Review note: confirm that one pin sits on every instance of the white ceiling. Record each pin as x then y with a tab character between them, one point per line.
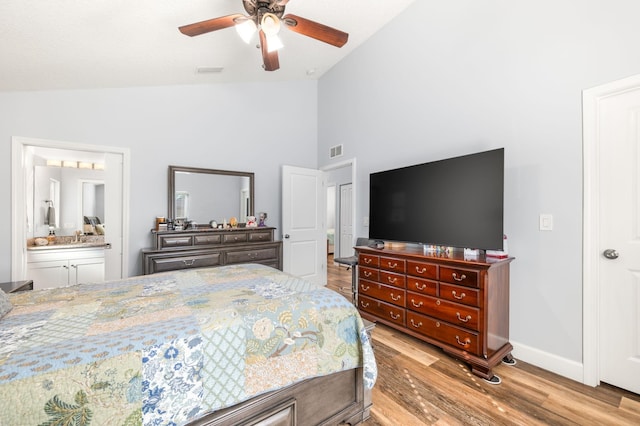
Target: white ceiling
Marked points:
76	44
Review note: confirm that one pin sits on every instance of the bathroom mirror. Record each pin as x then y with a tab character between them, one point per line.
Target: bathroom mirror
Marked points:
204	195
70	193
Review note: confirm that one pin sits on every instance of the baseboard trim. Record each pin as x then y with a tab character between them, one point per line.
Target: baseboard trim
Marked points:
565	367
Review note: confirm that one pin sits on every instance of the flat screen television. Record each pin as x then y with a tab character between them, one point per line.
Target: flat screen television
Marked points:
456	202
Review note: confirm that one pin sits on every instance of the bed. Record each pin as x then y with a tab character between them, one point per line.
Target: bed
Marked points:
235	344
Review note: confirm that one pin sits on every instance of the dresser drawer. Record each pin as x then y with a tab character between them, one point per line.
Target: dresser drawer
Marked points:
443	332
382	292
258	236
368	273
422	270
392	264
167	241
234	238
459	276
251	255
162	264
455	293
369	260
420	285
455	313
385	311
205	240
392	279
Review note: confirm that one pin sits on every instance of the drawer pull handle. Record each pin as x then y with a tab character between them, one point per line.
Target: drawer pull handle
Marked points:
453	292
364	287
421	271
437	323
465	319
395	299
419	287
394	266
395	317
465	342
252	255
364	305
189	262
417	305
392	280
367	260
462	277
418	325
367	274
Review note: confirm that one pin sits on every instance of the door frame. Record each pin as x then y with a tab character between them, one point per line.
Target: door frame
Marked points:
346	163
18	228
591	285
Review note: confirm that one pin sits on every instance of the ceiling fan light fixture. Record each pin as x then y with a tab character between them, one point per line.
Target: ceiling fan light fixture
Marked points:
274	43
246	29
270	24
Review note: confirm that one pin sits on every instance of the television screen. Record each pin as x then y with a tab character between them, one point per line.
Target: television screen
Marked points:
457	202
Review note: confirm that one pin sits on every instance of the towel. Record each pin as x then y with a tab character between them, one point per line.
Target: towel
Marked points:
50	219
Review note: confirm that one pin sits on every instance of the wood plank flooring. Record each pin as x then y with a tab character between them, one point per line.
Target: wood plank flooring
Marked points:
418	384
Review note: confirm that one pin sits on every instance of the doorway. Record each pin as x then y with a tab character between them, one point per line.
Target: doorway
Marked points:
341	210
116	196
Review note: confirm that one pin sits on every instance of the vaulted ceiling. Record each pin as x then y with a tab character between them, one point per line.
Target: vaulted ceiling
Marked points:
77	44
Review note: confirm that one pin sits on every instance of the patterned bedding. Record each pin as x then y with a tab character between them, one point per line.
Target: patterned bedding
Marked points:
169	348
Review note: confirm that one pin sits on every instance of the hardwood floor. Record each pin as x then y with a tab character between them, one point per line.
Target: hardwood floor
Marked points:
418	384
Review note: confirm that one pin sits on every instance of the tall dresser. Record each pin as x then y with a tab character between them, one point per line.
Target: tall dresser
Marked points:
174	250
460	305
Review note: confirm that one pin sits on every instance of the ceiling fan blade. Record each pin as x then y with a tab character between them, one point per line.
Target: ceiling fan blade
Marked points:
210	25
270	59
315	30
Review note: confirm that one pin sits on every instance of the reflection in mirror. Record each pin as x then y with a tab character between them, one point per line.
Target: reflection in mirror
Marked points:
62	188
182	205
92	199
202	195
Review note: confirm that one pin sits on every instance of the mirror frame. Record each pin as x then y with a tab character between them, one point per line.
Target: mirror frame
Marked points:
172	184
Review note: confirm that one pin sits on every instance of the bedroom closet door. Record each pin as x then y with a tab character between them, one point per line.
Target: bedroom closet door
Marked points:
614	132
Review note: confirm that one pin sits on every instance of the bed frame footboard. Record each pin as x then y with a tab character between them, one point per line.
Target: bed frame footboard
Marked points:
337	399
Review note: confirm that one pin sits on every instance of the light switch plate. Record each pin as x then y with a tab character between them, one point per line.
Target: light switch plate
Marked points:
546	222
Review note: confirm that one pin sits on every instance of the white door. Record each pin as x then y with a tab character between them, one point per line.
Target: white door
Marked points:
616	130
114	211
346	220
304	241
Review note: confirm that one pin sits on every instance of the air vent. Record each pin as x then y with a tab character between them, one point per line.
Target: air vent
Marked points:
336	151
209	70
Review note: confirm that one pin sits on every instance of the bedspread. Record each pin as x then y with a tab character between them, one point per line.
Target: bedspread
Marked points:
169	348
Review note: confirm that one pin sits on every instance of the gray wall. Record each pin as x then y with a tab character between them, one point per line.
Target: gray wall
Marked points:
219	126
456	77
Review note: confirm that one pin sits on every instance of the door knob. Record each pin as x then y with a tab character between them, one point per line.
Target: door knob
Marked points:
286	235
610	254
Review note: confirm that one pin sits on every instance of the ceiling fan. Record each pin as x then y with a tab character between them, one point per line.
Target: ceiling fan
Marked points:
266	17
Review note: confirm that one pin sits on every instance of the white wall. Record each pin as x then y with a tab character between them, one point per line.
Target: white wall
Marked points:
219	126
456	77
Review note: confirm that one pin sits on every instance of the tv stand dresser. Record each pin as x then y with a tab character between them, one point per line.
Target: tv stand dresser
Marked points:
459	305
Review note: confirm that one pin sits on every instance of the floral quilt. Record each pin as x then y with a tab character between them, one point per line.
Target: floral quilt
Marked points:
169	348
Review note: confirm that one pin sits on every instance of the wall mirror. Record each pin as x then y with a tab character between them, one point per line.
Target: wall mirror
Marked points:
203	195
